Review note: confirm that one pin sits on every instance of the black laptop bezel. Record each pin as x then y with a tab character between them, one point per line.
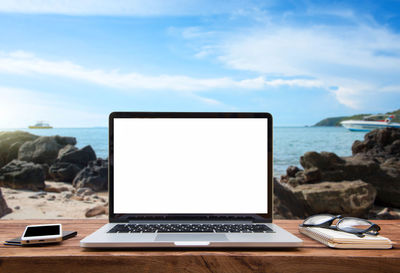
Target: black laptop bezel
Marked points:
122	218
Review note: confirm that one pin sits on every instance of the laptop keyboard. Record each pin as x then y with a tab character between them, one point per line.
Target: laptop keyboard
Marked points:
165	228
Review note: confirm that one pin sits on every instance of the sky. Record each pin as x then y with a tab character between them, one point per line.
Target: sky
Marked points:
72	63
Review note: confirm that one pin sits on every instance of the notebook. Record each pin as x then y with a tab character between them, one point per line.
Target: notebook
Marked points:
339	239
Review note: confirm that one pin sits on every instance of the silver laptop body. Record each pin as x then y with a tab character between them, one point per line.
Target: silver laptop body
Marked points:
190	180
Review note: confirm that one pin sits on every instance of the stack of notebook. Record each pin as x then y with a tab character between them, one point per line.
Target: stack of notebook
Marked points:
339	239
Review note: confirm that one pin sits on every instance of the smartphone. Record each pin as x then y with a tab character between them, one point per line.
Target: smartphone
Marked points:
42	234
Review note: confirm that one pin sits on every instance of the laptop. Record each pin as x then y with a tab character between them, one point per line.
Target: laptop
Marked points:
190	180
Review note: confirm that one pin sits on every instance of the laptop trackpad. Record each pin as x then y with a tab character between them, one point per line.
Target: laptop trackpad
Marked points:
168	237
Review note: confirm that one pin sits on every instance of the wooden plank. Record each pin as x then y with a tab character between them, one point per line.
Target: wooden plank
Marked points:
69	257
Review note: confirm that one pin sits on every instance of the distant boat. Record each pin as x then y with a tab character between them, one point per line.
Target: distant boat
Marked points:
370	123
41	125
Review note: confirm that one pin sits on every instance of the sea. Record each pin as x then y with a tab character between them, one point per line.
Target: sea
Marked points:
289	142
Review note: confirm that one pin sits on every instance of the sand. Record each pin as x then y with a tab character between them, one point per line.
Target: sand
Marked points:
67	204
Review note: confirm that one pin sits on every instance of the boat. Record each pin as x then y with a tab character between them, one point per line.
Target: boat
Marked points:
370	123
40	125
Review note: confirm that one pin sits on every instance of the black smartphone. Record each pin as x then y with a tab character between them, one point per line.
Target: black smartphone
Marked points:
17	241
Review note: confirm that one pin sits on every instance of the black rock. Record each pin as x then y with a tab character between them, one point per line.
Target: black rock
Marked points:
291	171
10	142
322	161
63	171
379	144
66	149
94	176
80	157
44	149
4	209
22	175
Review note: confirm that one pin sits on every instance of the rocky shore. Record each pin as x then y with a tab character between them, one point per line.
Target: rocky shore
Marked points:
366	184
48	175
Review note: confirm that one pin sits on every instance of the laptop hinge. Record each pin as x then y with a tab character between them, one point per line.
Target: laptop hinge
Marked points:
191	221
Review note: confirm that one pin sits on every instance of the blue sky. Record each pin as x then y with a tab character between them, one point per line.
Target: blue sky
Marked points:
73	62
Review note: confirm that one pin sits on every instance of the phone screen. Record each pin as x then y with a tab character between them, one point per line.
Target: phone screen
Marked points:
42	231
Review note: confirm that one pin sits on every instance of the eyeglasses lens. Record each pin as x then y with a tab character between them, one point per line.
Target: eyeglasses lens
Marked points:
318	219
353	225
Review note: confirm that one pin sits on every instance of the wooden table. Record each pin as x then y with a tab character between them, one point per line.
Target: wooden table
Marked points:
69	257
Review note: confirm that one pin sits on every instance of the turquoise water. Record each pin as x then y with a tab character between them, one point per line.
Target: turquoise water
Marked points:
292	142
289	142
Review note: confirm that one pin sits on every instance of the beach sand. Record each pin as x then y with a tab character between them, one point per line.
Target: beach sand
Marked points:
66	204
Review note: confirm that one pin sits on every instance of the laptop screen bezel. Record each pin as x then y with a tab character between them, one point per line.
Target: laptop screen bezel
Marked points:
118	217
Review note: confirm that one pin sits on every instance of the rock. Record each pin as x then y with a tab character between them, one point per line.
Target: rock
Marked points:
67	195
70	161
347	198
287	204
388	214
80	157
55	189
63	188
22	175
379	144
82	191
17	207
44	149
291	171
98	210
312	175
66	149
10	142
383	174
322	161
51	189
77	198
4	209
51	198
63	171
94	176
45	168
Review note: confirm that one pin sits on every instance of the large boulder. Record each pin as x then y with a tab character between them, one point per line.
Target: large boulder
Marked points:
79	157
385	177
22	175
94	176
63	171
348	198
287	205
70	161
4	209
379	144
44	149
10	142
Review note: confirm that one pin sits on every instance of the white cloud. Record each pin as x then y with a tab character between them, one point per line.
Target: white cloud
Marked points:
361	60
25	63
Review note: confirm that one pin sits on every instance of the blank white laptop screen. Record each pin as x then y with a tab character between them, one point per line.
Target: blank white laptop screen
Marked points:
190	165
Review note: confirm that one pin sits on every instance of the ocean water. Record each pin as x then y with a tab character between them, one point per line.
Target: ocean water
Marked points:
289	142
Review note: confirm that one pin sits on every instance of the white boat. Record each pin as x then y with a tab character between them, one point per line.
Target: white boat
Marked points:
370	123
40	125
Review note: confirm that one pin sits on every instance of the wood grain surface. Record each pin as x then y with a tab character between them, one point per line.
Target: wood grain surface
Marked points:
69	257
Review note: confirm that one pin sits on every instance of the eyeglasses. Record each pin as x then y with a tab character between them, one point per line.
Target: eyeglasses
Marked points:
352	225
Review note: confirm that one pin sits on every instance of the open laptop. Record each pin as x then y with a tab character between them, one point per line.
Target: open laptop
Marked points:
190	180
